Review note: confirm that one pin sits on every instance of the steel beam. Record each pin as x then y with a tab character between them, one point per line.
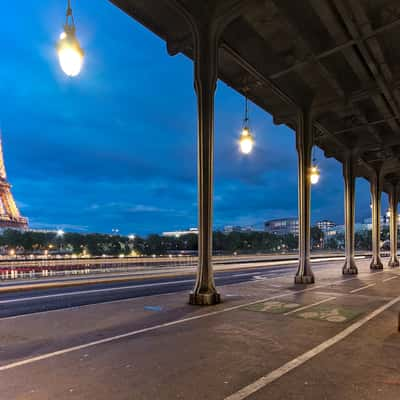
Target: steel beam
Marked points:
352	28
337	30
334	50
363	126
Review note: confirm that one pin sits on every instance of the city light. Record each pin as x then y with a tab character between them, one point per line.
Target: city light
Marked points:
70	53
314	175
60	233
131	237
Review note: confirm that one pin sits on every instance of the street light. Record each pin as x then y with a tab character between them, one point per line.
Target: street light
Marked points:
70	53
314	175
246	141
314	171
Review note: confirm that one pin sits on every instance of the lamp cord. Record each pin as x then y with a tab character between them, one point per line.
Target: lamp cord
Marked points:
246	111
69	14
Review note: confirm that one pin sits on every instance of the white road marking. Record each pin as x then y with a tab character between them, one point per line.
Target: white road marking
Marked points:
389	279
73	308
291	365
64	294
137	332
156	327
259	278
160	326
121	300
309	305
362	288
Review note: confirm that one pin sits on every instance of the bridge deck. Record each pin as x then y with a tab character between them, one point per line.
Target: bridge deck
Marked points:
343	347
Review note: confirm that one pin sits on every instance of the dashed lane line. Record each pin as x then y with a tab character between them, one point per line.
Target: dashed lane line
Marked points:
362	288
310	305
389	279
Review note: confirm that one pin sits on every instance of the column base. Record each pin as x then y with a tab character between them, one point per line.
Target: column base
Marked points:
350	268
350	271
376	265
393	263
304	279
204	299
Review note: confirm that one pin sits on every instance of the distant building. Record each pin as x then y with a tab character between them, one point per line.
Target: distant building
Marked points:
237	228
325	225
178	234
385	220
282	226
341	229
232	228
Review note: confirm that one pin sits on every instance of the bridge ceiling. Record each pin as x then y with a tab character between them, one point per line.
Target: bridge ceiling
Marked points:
342	55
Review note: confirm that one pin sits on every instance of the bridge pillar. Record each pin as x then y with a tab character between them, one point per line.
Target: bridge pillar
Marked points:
205	79
349	204
393	201
304	143
376	192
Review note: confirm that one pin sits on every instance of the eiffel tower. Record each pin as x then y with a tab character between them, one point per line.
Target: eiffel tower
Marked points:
9	213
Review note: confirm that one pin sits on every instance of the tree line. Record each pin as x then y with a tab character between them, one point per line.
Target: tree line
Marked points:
96	244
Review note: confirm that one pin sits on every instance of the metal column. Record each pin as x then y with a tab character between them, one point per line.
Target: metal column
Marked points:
376	191
349	212
393	201
206	73
304	143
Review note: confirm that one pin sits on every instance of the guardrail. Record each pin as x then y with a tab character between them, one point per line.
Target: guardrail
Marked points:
51	268
45	268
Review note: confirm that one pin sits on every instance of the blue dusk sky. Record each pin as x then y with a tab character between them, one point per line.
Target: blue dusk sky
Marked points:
116	147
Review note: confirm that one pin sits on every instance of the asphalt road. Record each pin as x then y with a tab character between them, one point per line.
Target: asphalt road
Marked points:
34	301
129	349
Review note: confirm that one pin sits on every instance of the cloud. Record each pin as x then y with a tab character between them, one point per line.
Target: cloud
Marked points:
116	147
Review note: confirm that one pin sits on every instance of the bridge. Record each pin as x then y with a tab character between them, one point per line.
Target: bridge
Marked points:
307	329
327	69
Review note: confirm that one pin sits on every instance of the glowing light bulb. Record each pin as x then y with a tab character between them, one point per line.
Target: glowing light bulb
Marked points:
246	141
314	175
70	53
